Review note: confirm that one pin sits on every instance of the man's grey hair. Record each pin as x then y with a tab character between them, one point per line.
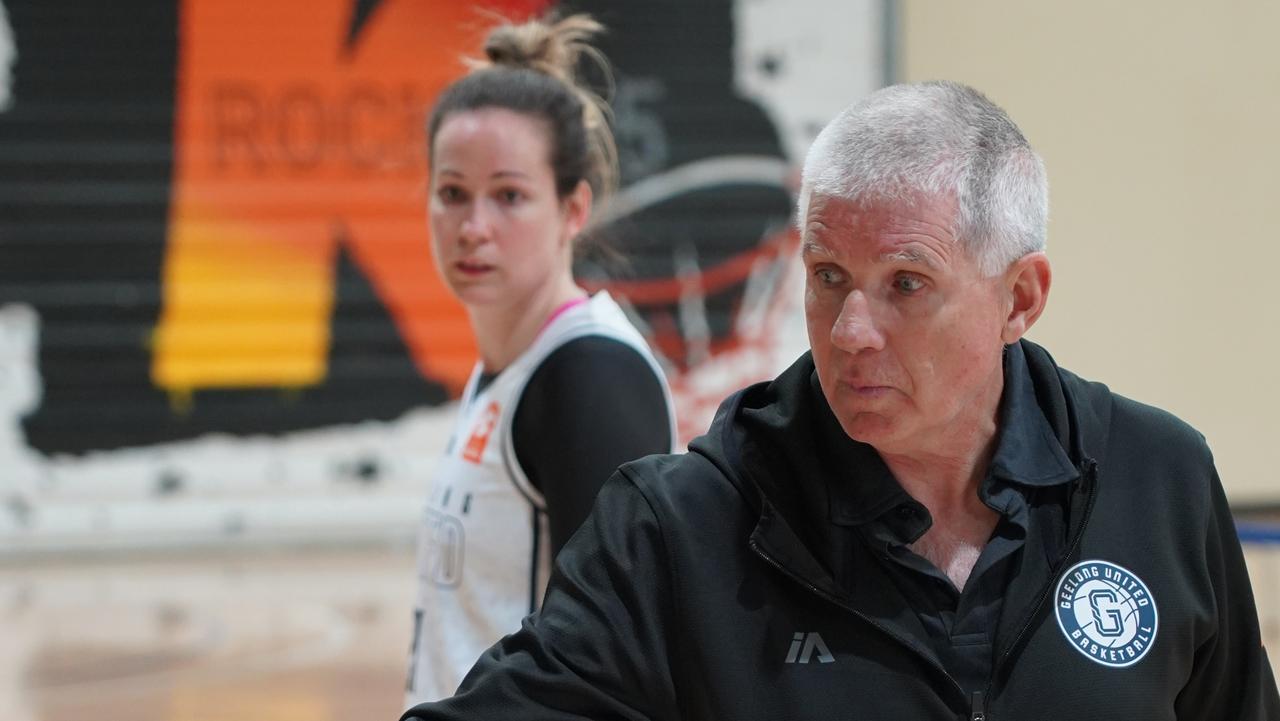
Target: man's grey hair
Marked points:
937	140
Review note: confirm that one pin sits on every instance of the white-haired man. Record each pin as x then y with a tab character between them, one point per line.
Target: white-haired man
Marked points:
924	517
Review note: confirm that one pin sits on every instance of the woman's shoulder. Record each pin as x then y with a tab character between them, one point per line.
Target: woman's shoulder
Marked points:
596	361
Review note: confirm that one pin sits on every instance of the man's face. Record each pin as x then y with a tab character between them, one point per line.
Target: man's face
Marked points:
905	330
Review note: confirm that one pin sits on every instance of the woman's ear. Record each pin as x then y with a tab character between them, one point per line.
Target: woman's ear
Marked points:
576	207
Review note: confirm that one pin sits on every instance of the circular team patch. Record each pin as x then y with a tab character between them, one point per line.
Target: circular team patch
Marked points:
1106	613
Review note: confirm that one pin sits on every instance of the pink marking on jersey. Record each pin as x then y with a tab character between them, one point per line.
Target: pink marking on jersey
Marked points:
561	310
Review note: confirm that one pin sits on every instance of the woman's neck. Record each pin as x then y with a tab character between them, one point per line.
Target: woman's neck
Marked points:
505	331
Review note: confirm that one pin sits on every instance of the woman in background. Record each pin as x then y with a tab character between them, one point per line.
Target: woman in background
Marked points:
565	389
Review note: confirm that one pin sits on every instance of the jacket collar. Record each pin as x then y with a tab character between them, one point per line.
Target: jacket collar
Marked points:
1028	451
765	439
861	488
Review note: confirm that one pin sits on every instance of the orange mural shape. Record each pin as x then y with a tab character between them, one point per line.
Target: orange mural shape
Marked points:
291	144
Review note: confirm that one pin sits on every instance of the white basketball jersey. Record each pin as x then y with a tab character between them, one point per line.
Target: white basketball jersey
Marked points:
483	548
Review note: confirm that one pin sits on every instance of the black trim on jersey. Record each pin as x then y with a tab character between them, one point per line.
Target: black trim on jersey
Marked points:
410	683
511	464
485	380
533	561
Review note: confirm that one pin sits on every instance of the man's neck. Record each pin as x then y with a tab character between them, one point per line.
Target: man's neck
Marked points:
943	469
962	523
942	483
945	478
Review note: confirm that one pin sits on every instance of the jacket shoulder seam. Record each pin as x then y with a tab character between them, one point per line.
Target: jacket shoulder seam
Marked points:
675	652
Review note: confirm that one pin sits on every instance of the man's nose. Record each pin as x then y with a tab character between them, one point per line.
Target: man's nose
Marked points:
855	328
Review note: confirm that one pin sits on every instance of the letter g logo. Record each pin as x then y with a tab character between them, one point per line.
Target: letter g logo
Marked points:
1110	622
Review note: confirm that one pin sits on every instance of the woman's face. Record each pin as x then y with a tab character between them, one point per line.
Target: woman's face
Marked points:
498	231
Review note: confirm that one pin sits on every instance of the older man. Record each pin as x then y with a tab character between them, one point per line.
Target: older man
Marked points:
924	518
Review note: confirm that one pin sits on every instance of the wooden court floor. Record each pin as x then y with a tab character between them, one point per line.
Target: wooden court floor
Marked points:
251	636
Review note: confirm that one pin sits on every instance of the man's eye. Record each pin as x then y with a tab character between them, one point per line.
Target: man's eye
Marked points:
908	284
827	276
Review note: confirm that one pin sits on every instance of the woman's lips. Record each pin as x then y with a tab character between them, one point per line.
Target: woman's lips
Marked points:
472	268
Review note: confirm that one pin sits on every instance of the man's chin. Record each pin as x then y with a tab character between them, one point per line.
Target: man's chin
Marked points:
868	427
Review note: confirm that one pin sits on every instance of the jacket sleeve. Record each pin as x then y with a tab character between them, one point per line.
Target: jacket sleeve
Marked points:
1231	678
599	647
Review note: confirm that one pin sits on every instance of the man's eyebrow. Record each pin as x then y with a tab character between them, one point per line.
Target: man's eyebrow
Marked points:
812	247
909	255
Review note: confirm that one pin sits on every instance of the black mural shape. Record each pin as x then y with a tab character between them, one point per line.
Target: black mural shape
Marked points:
361	11
85	165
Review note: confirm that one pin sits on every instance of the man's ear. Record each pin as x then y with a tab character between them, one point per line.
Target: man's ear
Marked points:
577	209
1027	282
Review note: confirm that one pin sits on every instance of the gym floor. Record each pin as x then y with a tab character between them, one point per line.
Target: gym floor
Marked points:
281	635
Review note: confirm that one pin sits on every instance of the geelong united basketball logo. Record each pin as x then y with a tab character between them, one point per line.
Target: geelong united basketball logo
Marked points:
1106	613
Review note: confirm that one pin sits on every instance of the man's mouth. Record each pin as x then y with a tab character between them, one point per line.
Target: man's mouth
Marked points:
866	388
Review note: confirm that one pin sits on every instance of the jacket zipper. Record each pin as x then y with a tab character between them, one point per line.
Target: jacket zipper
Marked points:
977	707
836	600
977	701
978	713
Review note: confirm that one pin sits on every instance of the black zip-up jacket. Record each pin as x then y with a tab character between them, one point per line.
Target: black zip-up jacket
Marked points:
693	592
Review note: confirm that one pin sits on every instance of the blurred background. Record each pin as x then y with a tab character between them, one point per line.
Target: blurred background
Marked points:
227	364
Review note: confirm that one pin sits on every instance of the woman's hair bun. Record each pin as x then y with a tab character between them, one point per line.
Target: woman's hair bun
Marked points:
551	47
544	67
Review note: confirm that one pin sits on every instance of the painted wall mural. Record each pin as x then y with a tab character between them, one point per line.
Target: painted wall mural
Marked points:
218	311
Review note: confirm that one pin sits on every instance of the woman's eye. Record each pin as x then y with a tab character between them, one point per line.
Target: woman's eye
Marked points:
908	284
510	197
450	194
